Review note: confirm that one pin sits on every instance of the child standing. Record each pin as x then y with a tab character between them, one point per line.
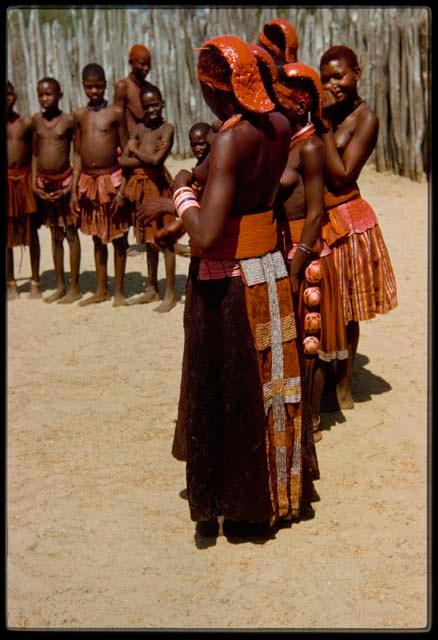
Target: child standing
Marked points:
145	154
97	189
51	180
22	219
127	91
200	137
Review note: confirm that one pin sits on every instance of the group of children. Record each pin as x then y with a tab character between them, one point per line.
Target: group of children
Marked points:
119	151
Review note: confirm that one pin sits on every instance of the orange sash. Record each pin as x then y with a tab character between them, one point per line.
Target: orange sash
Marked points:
295	230
16	174
56	176
247	236
334	226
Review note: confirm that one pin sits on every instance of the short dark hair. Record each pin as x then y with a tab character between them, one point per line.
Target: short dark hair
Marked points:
202	127
148	87
339	51
51	81
93	70
10	85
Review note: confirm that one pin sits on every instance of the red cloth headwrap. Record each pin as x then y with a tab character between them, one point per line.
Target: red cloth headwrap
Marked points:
139	50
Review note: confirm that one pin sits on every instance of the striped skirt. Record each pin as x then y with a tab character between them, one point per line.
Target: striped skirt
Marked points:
366	278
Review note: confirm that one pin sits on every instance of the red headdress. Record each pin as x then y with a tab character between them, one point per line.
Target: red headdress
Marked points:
290	36
302	71
244	79
262	55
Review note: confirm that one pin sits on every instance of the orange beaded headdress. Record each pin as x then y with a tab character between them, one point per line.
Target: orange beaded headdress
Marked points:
290	37
265	58
302	71
239	75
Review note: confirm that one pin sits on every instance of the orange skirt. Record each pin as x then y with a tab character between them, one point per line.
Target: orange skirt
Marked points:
22	219
96	194
365	274
144	185
332	336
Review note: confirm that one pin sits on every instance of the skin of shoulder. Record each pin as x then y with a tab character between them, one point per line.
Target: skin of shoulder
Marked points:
121	85
221	156
78	114
368	118
313	147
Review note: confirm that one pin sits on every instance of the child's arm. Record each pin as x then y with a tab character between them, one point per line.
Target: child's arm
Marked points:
39	192
77	165
120	94
159	155
126	160
122	128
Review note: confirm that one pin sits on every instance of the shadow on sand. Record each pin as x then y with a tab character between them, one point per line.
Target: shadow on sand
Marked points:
365	384
135	283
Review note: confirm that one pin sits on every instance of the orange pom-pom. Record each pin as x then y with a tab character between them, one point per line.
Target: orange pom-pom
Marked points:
312	296
312	322
313	271
311	345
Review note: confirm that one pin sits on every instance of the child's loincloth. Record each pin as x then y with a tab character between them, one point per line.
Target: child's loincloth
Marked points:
148	184
22	217
95	196
56	214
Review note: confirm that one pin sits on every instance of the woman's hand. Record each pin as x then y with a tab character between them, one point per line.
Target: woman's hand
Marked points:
294	283
153	209
183	179
132	145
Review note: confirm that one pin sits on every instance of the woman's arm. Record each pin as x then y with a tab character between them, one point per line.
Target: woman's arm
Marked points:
205	225
313	165
344	171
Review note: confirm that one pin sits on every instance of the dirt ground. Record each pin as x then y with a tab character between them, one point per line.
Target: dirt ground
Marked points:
98	535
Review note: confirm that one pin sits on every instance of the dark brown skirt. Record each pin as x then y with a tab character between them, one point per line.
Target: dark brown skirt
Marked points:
222	428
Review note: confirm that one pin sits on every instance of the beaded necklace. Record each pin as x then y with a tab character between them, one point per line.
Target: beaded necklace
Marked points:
51	124
97	107
302	134
231	122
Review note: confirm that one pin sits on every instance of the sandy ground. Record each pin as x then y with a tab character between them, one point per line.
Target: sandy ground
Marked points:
98	536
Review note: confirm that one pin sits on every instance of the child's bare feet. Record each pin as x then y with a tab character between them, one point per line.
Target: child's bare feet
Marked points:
94	299
149	296
12	291
35	291
166	305
120	301
71	296
57	295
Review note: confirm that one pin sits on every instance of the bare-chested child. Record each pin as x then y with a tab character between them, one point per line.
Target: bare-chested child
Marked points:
22	218
99	128
127	91
200	146
200	138
51	180
127	94
145	154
